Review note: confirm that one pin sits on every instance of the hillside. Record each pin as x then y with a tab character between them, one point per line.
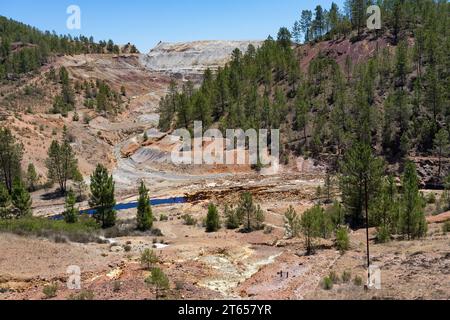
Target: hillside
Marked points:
388	89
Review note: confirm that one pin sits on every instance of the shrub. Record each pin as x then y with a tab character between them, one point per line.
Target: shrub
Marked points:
159	280
83	295
383	234
327	283
431	198
85	230
163	217
232	220
342	240
50	290
358	281
212	219
148	259
346	276
189	220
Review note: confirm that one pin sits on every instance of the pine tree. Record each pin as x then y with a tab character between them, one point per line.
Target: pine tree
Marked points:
102	197
70	213
360	181
441	147
305	24
61	163
250	214
284	38
384	213
232	220
32	177
21	199
291	223
80	185
412	217
310	228
144	210
159	280
11	154
5	202
212	219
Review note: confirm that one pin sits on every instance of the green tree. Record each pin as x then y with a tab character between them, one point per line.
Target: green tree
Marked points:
402	63
232	219
342	240
80	185
61	163
384	214
21	199
310	227
32	177
361	174
284	38
70	213
11	154
158	280
305	24
212	219
441	147
412	216
5	202
291	223
144	210
249	213
102	197
149	259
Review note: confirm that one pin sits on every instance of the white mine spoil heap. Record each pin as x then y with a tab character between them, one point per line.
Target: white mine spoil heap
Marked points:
192	58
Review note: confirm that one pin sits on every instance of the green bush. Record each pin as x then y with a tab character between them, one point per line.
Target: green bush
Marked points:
149	259
383	234
358	281
163	217
50	290
189	220
342	240
212	219
327	283
232	221
431	198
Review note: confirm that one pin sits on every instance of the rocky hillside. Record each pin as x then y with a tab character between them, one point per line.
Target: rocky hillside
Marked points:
192	58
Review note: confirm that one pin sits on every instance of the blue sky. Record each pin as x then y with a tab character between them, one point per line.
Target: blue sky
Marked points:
146	22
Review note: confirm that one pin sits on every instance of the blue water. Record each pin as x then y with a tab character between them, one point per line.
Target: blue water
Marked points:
132	205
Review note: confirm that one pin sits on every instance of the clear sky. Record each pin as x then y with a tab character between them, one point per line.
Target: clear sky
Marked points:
146	22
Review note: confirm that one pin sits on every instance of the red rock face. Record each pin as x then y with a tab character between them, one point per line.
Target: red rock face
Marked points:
338	50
